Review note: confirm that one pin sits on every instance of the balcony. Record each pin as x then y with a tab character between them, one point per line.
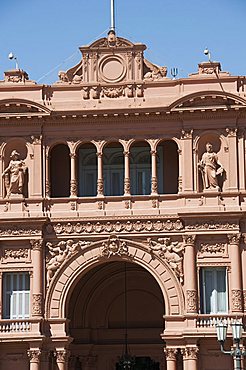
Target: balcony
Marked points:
14	330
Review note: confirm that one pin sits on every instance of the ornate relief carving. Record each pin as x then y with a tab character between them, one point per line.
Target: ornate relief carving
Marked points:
34	355
244	300
127	186
114	247
191	296
16	254
212	248
154	185
25	230
154	72
155	203
113	92
186	134
234	238
231	131
73	188
190	353
170	353
212	225
236	299
100	187
172	252
36	244
59	253
37	304
124	225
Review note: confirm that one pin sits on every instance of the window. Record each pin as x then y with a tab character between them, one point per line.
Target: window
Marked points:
16	295
214	298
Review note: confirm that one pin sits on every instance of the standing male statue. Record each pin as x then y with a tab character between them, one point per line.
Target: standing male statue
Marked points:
14	174
210	169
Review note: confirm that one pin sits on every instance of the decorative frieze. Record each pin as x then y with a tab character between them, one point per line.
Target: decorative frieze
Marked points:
25	230
212	249
191	299
114	246
123	226
212	225
236	300
15	254
171	252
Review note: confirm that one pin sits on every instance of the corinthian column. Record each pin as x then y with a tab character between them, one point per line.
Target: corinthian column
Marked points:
73	181
127	183
37	289
99	174
236	272
154	182
190	274
190	358
34	358
62	356
170	358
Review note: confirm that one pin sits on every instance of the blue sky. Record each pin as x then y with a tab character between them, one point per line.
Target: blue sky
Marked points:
47	33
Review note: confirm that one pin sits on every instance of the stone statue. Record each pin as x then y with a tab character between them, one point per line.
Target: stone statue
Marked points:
172	252
153	72
14	175
210	169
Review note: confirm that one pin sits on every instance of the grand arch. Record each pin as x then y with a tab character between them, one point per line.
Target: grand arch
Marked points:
99	252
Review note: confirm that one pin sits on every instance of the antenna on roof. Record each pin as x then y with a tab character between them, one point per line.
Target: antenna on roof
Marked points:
112	27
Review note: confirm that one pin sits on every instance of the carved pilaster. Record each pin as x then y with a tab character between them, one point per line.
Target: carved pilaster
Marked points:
236	300
37	304
191	297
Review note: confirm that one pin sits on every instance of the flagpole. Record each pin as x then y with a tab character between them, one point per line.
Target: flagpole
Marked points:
112	16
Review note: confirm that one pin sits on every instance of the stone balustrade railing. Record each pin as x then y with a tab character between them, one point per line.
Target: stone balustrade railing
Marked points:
210	321
18	327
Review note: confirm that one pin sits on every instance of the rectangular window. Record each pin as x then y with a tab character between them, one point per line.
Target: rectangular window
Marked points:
16	295
214	297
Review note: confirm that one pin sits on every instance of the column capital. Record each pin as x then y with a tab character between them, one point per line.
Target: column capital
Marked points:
234	238
189	239
62	355
170	353
36	244
153	152
34	355
190	352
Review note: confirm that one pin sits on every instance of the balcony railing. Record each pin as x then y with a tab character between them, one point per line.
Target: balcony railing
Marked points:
20	327
210	321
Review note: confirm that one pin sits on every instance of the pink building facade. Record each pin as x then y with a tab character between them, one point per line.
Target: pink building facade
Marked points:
122	191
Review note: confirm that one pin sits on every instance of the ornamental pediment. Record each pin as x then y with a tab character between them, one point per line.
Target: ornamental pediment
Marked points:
21	107
208	100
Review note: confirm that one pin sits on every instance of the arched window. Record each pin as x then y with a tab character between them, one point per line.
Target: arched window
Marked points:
140	169
60	171
87	170
167	167
113	170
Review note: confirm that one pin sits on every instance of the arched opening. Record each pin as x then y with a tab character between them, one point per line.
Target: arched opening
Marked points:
167	167
60	171
140	168
96	311
87	170
113	169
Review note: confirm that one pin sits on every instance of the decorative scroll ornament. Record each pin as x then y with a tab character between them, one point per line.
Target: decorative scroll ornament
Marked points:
170	353
59	253
191	300
37	303
172	252
236	299
114	247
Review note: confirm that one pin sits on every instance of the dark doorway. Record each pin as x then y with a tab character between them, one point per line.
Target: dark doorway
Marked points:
141	363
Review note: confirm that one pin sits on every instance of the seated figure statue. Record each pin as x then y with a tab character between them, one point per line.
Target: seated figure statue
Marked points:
14	175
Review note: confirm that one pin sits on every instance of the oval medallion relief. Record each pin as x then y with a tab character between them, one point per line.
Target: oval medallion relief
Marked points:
112	69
